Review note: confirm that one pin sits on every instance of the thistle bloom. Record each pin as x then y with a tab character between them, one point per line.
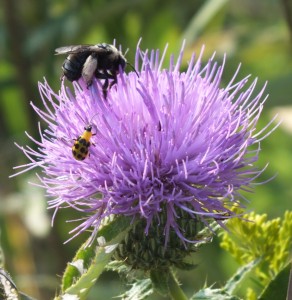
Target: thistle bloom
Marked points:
164	141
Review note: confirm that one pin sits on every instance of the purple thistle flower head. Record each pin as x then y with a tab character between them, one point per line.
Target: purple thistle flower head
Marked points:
163	141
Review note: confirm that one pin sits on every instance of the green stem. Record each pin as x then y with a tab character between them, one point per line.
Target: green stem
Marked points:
175	291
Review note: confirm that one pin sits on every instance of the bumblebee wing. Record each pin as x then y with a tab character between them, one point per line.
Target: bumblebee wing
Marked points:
73	49
89	68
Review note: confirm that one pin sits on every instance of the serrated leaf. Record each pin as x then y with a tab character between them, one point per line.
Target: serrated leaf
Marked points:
88	278
86	255
90	261
225	292
112	229
235	280
277	288
213	294
140	290
118	266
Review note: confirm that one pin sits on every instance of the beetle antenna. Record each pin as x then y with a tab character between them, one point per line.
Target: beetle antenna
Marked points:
133	68
93	117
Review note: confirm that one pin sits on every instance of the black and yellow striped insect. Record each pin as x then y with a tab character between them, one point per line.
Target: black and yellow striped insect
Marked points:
80	149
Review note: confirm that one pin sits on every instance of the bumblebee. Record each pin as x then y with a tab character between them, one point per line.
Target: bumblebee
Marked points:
80	149
103	61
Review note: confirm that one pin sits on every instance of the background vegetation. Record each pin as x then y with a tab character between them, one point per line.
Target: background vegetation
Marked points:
255	33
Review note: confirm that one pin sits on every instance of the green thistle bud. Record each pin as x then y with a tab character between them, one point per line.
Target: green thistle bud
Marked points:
148	252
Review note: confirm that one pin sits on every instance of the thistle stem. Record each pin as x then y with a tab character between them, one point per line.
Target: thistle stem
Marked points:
175	291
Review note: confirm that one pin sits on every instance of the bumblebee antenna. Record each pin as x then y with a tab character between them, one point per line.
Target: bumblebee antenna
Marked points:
133	68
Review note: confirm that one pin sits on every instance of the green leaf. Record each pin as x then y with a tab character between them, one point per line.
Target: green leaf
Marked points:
90	261
140	290
225	292
236	279
81	262
269	240
213	294
119	267
277	288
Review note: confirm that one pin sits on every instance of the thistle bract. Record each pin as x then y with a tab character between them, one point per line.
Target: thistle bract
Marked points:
163	142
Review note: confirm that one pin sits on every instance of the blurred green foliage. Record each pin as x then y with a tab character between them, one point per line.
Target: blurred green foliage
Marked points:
259	238
255	33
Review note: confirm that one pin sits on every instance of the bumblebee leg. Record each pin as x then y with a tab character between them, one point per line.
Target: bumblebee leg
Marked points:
109	76
104	88
106	76
115	80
